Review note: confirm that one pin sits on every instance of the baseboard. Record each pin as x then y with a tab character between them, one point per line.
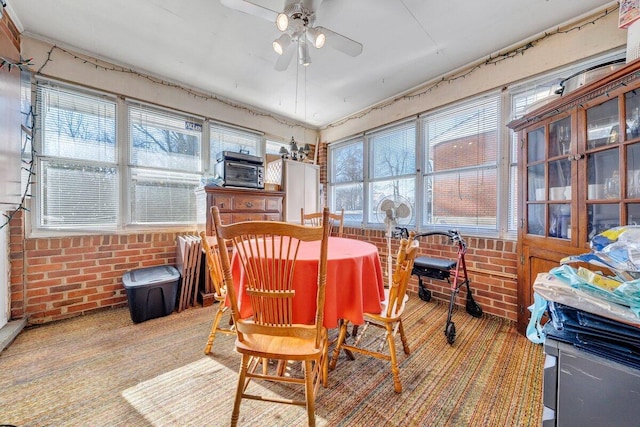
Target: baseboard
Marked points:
10	331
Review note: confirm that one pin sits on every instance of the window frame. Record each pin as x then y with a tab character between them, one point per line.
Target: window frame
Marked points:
332	184
40	86
372	179
127	171
507	209
422	170
138	174
468	104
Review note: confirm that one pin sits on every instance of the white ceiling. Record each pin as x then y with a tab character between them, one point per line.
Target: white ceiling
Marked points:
204	45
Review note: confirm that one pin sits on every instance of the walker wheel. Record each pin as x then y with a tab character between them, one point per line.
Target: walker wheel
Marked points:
450	332
424	294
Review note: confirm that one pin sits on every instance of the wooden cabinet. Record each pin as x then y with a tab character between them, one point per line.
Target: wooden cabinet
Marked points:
578	173
238	205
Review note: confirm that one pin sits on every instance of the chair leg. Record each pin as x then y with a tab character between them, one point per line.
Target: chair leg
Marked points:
403	337
397	386
244	366
214	328
309	392
341	337
325	364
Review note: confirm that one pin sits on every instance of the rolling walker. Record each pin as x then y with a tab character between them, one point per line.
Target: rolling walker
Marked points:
441	269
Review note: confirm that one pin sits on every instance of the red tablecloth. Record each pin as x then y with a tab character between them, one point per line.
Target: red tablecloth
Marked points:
354	282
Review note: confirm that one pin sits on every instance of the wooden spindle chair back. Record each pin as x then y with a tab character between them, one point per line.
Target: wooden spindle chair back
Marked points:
214	267
266	252
315	219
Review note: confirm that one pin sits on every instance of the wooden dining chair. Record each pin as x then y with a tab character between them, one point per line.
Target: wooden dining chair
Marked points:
315	219
220	290
266	253
389	319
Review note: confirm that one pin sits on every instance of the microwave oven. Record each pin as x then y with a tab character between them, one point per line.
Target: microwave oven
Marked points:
240	170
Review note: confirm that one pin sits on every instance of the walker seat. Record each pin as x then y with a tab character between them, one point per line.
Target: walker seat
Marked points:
434	268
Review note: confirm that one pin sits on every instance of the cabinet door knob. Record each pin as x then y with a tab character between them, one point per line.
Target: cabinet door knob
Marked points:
249	204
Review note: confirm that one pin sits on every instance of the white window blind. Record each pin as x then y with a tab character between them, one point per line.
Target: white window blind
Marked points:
346	179
160	197
78	183
392	168
393	151
81	163
226	138
75	195
77	126
163	140
461	152
166	166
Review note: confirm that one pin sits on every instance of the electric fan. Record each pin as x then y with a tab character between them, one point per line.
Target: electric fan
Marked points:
393	211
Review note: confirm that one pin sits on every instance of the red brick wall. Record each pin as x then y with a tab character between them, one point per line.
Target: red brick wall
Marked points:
9	31
491	265
58	277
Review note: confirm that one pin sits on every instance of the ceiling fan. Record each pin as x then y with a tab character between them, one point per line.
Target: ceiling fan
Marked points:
296	24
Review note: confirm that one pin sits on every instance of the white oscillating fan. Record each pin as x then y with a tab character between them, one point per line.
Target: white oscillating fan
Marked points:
393	212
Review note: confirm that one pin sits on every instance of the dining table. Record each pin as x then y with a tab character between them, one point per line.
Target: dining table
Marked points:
354	286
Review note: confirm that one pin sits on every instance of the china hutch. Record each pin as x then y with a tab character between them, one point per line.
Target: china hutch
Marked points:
578	173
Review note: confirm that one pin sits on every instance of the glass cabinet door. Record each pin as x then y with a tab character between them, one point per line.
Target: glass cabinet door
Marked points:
603	124
632	180
603	164
549	187
599	146
633	184
560	137
536	184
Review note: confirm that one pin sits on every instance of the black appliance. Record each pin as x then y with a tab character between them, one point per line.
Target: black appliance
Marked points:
240	170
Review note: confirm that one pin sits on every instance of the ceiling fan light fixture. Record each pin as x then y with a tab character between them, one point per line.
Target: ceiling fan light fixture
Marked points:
282	21
303	54
316	37
281	43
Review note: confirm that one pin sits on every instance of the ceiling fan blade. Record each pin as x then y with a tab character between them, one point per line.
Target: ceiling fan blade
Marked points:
342	43
283	60
251	9
311	4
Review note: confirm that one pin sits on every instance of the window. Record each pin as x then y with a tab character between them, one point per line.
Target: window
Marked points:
166	166
226	138
78	174
273	147
89	178
392	164
346	179
458	184
461	156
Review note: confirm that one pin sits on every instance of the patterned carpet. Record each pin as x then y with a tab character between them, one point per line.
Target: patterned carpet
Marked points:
103	370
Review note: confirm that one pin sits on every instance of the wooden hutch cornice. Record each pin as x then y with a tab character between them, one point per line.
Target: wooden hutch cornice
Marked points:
577	98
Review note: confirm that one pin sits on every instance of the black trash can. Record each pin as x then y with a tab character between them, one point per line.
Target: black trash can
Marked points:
151	291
